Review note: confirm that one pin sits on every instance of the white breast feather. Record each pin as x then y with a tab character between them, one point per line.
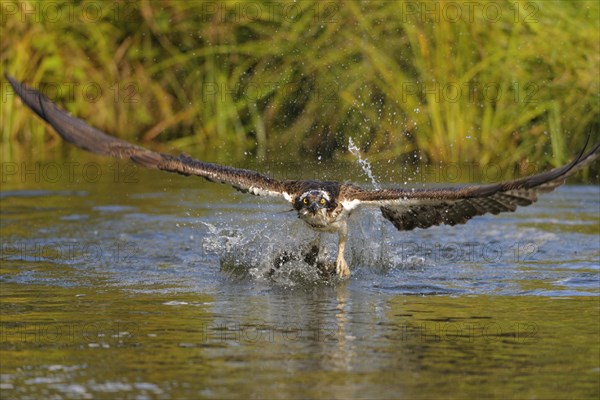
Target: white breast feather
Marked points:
350	205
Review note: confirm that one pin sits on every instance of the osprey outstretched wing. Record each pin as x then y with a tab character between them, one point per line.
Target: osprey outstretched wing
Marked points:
324	206
77	132
422	208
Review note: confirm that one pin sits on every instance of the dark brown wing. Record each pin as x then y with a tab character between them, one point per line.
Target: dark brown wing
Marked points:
422	208
77	132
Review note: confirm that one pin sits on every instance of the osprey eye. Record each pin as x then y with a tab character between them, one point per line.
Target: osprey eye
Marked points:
322	202
305	201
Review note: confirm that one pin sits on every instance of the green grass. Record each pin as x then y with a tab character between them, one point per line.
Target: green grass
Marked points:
519	87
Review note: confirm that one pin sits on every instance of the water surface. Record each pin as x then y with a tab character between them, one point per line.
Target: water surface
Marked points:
138	284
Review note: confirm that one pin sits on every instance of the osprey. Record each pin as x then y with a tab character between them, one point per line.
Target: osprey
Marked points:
324	206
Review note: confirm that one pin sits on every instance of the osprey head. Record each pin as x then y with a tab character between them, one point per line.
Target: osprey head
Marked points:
312	202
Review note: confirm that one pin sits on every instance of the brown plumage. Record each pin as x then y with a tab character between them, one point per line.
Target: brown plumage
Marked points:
324	206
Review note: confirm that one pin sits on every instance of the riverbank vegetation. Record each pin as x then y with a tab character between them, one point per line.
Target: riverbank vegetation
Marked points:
504	82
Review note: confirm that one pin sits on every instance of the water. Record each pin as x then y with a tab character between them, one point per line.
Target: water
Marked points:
141	284
365	165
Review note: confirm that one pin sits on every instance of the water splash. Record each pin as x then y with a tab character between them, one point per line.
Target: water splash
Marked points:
365	165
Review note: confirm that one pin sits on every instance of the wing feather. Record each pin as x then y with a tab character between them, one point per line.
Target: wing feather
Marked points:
422	208
82	135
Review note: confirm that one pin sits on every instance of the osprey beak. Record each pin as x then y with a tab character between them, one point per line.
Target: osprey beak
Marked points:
313	207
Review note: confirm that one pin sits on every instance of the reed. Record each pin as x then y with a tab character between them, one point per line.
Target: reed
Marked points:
505	82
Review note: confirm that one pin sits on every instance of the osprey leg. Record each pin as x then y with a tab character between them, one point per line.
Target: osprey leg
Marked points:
341	267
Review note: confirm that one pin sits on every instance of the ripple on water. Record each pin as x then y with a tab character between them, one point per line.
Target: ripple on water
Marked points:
144	243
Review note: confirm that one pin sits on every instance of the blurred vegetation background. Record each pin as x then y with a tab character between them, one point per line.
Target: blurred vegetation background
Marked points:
506	82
